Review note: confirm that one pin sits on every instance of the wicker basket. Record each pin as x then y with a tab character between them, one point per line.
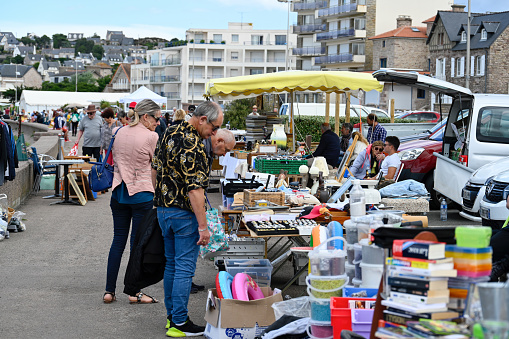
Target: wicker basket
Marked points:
250	197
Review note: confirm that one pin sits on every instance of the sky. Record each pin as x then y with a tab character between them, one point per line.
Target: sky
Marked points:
156	18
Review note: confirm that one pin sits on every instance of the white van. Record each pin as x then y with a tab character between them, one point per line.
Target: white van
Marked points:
477	130
492	207
318	109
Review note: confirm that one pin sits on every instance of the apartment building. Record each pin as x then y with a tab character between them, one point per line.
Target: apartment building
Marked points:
181	73
332	34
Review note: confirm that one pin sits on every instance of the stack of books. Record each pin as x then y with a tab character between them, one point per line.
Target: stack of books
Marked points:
423	328
417	279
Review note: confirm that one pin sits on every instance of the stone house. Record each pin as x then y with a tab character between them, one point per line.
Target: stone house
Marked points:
19	75
46	67
23	51
489	56
121	80
31	59
402	48
100	69
9	41
67	53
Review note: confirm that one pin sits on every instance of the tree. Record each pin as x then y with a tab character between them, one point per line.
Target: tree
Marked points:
36	65
11	93
43	41
103	82
98	51
96	36
236	112
18	59
114	68
104	104
84	46
27	41
60	40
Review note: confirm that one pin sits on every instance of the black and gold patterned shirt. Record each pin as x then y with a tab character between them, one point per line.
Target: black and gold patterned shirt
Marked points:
181	164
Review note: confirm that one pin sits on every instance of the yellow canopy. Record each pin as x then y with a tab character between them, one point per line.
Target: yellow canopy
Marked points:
330	81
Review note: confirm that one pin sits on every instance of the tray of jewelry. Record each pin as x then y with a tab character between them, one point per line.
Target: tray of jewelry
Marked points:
279	227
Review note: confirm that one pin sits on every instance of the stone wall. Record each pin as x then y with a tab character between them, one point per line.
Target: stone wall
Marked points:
370	31
497	65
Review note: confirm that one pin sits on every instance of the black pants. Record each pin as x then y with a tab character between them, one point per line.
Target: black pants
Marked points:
92	151
74	128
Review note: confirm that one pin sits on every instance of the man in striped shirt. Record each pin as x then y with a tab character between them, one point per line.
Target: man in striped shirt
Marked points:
376	131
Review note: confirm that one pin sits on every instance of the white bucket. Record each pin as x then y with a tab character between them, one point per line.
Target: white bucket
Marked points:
371	275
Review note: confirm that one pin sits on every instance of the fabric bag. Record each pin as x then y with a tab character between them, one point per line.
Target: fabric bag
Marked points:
101	174
218	240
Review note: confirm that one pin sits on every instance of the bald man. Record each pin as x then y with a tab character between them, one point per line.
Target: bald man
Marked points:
219	144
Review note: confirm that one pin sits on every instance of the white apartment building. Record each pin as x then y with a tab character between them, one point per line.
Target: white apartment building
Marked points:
332	34
181	73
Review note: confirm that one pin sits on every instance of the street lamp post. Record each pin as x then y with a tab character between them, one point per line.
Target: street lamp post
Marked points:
76	66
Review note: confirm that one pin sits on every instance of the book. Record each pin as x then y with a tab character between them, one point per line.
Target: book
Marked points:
420	249
424	292
432	316
423	272
417	298
441	327
414	307
413	283
432	265
418	329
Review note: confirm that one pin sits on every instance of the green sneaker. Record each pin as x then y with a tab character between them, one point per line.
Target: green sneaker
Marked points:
168	322
187	330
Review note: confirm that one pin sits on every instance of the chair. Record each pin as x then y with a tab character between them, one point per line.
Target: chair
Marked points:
399	172
40	167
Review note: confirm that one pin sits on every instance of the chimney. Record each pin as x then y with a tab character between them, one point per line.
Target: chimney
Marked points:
458	8
403	20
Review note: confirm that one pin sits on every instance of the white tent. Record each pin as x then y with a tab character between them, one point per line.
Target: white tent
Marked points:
143	93
45	100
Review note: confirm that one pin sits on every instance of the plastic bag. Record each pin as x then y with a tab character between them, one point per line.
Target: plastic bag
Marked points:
74	151
18	215
218	240
298	307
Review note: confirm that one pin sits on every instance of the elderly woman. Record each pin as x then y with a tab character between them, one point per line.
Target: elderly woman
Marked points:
133	192
179	116
367	163
109	124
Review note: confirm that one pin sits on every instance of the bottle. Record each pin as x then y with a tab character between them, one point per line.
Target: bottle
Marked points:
443	210
357	200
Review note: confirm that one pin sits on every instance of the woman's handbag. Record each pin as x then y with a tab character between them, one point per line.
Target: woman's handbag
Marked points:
218	240
101	174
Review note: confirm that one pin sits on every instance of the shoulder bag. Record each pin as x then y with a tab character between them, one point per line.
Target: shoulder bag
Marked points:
101	174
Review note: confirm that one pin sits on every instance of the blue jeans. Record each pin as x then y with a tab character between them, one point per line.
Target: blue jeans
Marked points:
180	233
123	215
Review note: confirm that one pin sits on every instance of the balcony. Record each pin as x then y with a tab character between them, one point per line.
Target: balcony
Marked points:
334	59
273	59
341	33
255	59
166	62
171	95
121	86
165	78
337	10
306	6
308	51
309	28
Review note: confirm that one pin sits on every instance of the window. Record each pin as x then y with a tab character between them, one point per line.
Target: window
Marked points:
460	67
235	38
358	49
217	37
484	34
440	38
383	43
480	64
383	63
360	23
421	94
463	36
234	72
198	36
493	125
280	39
257	39
255	71
235	55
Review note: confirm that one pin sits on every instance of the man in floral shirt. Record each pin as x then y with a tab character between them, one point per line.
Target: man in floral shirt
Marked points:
180	176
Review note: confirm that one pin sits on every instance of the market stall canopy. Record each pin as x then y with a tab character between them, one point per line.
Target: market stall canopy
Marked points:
143	93
330	81
44	100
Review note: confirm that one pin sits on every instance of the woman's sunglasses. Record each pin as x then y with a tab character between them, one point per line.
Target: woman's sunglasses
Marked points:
378	148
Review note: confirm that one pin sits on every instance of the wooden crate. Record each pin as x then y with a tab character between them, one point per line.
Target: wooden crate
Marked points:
250	197
241	154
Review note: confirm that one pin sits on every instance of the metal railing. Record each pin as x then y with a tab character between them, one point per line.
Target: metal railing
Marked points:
333	59
255	59
171	95
165	78
302	6
335	34
309	28
308	51
166	62
337	10
121	86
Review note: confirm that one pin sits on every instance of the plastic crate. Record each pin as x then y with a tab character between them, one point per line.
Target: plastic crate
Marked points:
274	166
47	182
259	269
361	321
348	291
341	314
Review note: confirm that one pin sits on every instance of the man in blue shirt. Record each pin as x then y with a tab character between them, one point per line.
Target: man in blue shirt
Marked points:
375	131
329	146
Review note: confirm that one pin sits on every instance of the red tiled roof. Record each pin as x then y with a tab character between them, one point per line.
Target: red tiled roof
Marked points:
432	19
403	32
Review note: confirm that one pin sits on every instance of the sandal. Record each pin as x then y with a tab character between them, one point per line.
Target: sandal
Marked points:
113	297
139	299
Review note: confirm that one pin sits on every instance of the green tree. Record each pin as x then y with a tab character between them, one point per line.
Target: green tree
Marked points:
98	51
103	82
60	40
36	65
27	41
95	36
114	68
11	93
236	112
103	104
43	41
84	46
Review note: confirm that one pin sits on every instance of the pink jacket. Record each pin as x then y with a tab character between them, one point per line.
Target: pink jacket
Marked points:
132	155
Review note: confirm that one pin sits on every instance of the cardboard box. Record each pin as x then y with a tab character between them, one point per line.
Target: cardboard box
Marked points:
229	318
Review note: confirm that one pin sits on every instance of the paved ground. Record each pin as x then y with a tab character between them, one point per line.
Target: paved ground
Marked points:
52	277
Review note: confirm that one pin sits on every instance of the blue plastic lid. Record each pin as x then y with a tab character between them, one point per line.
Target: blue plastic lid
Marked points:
470	250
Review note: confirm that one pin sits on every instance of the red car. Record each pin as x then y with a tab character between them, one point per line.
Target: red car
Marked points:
421	116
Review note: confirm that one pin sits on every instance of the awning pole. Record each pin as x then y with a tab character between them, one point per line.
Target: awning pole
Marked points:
292	129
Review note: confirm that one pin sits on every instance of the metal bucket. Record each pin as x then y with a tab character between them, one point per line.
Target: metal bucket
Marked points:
494	301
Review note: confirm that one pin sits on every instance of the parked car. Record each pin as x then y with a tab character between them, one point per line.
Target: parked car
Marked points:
492	207
423	135
419	161
380	113
475	188
422	116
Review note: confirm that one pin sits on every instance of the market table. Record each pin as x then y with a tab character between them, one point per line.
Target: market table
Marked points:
66	164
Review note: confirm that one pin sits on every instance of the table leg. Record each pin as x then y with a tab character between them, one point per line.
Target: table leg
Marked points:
66	200
295	277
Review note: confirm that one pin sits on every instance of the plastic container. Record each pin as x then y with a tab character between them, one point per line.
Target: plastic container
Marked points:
356	282
371	275
341	314
320	309
258	269
357	252
471	274
361	321
357	200
472	265
325	261
335	229
472	236
372	254
363	231
470	253
319	330
350	252
351	231
323	287
355	292
350	272
389	217
358	270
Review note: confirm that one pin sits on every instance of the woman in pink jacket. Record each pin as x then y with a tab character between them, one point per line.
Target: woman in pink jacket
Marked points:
133	192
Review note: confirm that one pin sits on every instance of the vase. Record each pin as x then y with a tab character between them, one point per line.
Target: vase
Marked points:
279	136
